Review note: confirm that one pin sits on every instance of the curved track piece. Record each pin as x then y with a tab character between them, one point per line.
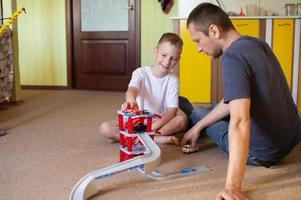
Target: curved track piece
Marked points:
147	163
183	172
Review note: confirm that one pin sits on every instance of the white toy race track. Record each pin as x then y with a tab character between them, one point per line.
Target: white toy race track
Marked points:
146	164
142	155
86	188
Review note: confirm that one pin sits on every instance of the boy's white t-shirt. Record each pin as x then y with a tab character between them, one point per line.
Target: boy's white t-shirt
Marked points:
155	94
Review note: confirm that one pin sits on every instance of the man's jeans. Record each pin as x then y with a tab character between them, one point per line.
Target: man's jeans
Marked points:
218	132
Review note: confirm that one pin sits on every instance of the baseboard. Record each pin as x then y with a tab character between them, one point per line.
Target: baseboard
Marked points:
44	87
12	103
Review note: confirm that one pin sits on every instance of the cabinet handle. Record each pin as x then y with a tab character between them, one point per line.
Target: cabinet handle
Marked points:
285	24
242	24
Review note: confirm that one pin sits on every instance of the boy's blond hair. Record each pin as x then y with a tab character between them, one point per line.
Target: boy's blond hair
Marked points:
173	39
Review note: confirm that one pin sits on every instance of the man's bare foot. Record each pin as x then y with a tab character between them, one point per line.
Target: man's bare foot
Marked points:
167	140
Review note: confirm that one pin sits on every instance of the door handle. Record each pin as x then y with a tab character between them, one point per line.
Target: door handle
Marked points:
130	7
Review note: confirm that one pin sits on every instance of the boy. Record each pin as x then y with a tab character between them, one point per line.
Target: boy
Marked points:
156	90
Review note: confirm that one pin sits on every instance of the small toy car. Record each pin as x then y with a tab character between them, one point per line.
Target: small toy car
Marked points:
2	132
187	148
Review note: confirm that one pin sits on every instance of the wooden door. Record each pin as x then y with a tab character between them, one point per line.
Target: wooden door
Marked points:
106	43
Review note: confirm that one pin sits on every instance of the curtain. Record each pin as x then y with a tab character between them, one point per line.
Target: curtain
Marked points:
6	65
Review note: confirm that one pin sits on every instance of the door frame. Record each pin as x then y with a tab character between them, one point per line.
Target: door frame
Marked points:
69	40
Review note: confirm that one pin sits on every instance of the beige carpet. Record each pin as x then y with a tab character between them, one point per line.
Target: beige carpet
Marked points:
53	142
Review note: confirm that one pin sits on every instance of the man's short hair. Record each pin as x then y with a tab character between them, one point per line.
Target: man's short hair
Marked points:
206	14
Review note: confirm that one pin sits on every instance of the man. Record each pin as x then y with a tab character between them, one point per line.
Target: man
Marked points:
257	121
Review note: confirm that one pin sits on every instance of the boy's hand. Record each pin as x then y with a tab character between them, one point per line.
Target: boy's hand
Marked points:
131	107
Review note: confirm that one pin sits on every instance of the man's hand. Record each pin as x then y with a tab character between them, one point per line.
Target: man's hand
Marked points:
191	136
230	194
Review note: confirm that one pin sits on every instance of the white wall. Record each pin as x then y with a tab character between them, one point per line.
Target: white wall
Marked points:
275	6
186	6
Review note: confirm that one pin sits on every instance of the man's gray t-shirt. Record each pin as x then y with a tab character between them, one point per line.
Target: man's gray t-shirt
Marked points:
251	70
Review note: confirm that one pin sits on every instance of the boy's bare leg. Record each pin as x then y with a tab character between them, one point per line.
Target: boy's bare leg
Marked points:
177	124
109	129
169	139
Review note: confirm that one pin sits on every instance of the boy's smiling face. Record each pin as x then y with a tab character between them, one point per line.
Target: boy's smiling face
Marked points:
166	57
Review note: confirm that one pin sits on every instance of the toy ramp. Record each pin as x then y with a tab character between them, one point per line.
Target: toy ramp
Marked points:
147	163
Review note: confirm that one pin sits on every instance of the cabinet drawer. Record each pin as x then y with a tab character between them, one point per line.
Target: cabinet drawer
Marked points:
282	45
248	27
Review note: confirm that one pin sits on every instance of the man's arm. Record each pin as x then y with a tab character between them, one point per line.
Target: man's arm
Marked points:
220	111
238	136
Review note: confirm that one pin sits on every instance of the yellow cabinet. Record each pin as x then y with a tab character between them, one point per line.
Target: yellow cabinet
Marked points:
282	45
194	70
248	27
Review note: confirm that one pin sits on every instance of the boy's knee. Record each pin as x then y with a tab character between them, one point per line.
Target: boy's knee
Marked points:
105	129
182	121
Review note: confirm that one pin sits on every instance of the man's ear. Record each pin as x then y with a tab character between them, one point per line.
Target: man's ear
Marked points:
214	31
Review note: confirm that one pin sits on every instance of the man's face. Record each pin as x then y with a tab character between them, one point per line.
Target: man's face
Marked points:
206	44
